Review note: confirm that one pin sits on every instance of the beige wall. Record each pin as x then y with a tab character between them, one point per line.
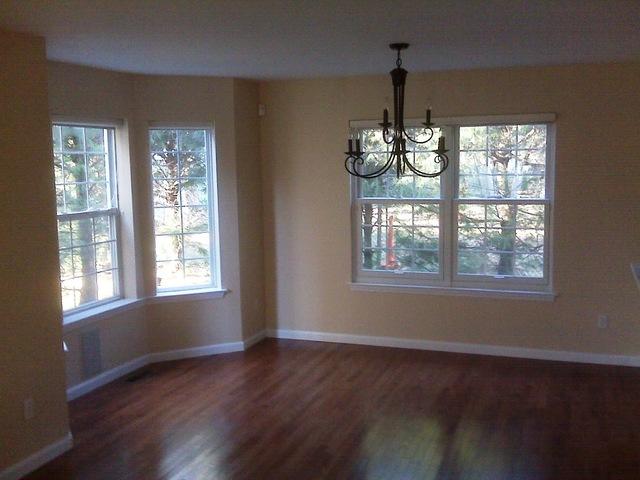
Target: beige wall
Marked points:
596	233
31	357
210	101
82	93
247	129
94	94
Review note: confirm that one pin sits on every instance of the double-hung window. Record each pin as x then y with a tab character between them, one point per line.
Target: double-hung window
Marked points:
184	208
87	207
482	225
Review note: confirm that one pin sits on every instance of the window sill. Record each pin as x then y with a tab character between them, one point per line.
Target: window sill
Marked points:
77	320
74	321
454	291
188	295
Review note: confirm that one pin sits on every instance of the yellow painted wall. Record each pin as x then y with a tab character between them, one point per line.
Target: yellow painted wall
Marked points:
247	133
596	231
31	356
82	93
94	94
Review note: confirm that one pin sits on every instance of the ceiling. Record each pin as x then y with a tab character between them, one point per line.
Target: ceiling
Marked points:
306	38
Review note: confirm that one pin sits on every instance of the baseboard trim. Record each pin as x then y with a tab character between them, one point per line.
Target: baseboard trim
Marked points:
458	347
39	458
106	377
126	368
214	349
252	340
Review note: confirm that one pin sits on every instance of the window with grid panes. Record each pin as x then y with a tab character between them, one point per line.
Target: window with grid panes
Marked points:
484	223
181	164
84	164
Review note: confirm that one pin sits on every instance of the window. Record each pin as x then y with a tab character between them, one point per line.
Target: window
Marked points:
483	224
183	193
84	164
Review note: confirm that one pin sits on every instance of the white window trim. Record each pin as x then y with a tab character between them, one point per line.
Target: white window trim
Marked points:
113	212
448	281
214	232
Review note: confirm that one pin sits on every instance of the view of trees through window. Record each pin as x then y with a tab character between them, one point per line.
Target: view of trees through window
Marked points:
83	162
502	232
400	219
183	233
499	210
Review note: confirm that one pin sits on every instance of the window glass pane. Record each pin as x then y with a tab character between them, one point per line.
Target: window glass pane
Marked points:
97	168
72	139
194	192
408	185
82	156
75	197
97	195
169	247
104	256
196	245
504	240
403	237
163	140
504	161
179	162
102	228
170	274
95	139
64	234
195	219
196	272
74	168
166	192
55	133
193	164
167	220
191	140
106	285
82	232
164	165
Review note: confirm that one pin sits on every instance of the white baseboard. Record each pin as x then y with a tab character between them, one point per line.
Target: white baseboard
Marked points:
106	377
457	347
252	340
214	349
126	368
36	460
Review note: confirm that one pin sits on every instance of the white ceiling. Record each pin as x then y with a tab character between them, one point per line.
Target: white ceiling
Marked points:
304	38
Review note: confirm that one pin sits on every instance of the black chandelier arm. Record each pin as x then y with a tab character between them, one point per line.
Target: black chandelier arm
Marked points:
440	158
392	138
352	160
429	130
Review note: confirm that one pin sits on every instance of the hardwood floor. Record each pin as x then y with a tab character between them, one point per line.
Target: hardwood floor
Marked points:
307	410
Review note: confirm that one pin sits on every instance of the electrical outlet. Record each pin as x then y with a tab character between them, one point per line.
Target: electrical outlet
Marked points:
603	321
29	412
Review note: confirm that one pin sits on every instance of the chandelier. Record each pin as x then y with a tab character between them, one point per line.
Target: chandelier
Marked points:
355	161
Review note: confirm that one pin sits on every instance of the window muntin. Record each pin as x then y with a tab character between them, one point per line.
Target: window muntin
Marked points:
489	213
182	193
84	165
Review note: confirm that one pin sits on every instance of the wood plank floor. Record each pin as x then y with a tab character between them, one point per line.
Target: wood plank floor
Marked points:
307	410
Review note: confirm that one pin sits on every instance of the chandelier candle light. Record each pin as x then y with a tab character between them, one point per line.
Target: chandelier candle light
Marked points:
398	140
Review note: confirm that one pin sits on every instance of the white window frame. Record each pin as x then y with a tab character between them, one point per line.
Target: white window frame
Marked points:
213	217
448	281
113	213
